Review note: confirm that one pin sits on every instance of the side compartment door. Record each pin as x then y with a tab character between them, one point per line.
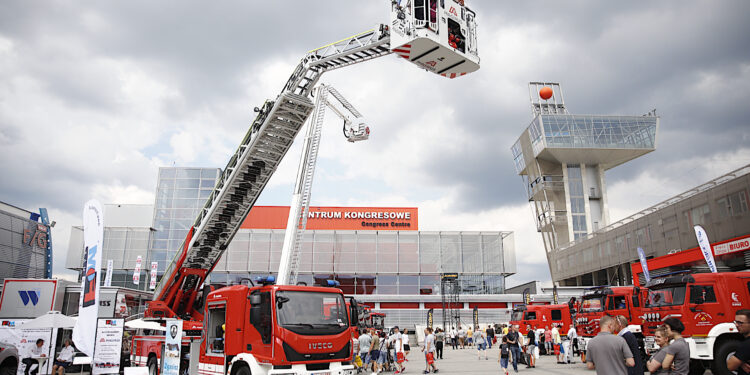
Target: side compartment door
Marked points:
214	338
705	310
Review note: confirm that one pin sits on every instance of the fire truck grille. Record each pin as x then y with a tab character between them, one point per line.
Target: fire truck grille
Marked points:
294	356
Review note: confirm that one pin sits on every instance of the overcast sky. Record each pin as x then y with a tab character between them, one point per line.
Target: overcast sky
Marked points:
95	96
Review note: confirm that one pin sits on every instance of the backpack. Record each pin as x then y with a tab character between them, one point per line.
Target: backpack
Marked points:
504	351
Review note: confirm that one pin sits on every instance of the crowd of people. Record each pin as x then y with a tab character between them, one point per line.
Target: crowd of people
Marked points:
614	351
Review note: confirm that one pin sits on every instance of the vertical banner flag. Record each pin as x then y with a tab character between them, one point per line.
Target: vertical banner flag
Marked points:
527	296
84	331
429	317
555	300
152	282
705	245
476	317
644	264
137	271
108	276
172	346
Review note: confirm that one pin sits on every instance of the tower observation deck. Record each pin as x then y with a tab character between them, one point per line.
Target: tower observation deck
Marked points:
561	158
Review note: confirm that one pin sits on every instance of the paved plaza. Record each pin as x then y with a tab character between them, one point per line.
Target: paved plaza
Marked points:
464	361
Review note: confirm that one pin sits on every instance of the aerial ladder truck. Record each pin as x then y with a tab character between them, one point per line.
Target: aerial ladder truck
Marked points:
287	329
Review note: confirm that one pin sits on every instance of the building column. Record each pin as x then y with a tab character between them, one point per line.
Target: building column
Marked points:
568	214
603	194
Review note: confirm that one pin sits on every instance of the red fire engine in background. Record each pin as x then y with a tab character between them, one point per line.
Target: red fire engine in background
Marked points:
705	303
542	316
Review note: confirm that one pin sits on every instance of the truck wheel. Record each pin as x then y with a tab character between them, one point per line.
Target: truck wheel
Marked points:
696	367
242	370
153	367
723	352
9	367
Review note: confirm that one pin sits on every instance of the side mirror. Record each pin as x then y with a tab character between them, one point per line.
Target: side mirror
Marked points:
255	315
636	301
254	299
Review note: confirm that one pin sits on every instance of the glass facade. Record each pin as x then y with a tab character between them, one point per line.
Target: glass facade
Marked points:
591	131
374	262
577	201
180	195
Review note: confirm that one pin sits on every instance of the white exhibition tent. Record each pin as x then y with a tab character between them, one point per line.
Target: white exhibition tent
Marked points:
143	324
52	319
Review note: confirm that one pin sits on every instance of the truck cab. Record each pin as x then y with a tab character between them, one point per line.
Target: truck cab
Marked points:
609	300
437	35
263	329
541	316
705	303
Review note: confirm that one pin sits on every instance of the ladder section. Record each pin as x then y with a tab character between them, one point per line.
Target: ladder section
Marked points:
362	47
243	179
298	211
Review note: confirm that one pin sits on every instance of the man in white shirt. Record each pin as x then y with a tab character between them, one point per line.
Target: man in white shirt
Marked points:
568	345
64	359
398	347
35	351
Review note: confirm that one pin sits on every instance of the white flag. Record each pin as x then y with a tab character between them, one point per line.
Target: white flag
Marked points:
108	276
137	271
705	245
152	282
84	331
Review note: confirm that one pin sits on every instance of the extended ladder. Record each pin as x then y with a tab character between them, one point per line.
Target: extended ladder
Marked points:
246	174
300	206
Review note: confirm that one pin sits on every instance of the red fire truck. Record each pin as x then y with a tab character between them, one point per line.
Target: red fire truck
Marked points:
705	303
281	328
542	316
609	300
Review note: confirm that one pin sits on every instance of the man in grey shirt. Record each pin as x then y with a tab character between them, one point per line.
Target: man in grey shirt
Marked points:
608	353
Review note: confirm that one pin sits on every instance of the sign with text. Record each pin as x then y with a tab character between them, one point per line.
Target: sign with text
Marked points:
25	340
732	246
24	298
336	218
108	346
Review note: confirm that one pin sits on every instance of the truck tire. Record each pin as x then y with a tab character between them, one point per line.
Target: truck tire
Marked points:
242	370
153	366
9	367
696	367
725	349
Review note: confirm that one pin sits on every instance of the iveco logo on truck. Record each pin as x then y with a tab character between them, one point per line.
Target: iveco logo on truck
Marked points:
320	345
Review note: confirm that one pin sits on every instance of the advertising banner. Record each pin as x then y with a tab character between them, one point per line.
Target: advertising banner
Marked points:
137	271
644	264
429	317
108	277
25	340
476	316
108	346
152	282
172	347
705	246
527	296
84	332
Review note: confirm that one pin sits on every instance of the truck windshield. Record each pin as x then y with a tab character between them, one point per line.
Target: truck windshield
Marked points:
591	304
667	296
517	315
311	312
377	322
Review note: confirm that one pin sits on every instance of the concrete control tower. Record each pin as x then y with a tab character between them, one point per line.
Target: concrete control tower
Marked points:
562	158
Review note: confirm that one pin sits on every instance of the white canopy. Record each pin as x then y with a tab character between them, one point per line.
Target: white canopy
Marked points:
142	324
52	319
